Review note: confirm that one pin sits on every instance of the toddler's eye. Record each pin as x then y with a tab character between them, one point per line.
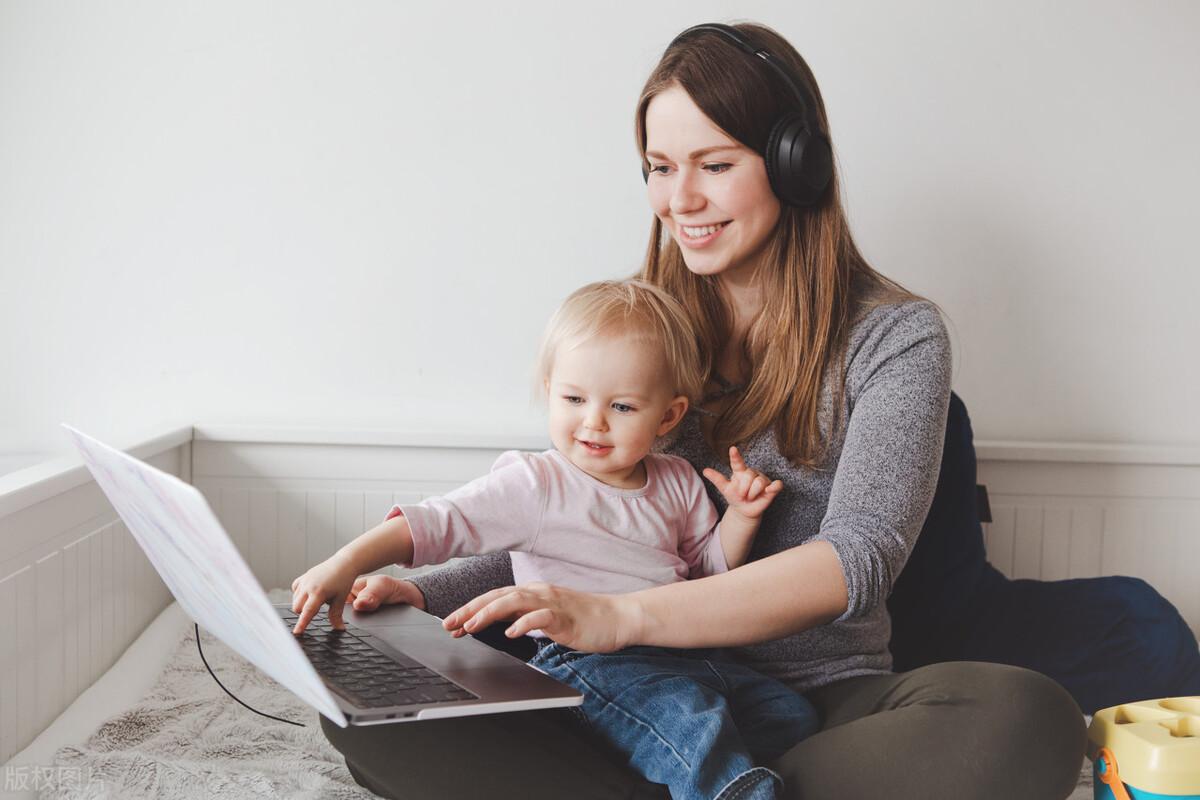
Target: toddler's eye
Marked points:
623	408
573	399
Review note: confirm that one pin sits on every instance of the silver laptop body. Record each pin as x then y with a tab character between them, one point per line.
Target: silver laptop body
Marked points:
498	681
196	559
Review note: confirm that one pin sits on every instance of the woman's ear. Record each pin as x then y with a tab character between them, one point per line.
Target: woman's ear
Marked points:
673	415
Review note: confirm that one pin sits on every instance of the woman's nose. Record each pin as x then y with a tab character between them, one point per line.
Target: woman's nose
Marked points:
685	194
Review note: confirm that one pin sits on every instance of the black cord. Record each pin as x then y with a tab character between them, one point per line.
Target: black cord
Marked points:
218	680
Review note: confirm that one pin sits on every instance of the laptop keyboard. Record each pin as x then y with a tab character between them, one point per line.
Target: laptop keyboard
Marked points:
366	676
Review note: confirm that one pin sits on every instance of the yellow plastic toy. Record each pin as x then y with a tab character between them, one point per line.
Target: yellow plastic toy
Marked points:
1148	750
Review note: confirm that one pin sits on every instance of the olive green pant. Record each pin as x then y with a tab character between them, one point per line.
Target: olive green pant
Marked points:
959	730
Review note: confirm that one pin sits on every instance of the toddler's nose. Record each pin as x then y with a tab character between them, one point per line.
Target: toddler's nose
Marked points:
595	421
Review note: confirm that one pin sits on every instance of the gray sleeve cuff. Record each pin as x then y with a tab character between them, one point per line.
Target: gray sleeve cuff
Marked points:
449	587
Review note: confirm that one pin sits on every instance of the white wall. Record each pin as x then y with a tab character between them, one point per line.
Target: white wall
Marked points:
363	212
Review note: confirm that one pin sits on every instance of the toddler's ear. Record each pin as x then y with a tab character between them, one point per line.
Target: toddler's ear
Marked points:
673	415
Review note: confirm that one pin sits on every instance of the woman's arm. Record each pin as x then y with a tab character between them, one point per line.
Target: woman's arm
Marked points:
726	610
446	588
732	609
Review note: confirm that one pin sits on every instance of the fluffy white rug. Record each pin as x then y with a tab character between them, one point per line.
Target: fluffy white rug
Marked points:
187	739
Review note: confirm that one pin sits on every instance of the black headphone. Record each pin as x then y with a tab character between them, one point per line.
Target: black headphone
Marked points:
799	159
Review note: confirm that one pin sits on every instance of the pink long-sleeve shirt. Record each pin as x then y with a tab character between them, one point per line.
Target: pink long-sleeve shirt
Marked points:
565	527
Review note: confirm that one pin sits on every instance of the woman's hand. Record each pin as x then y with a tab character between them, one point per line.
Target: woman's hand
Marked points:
595	623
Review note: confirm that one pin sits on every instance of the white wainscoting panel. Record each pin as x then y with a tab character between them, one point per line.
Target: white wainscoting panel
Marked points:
75	591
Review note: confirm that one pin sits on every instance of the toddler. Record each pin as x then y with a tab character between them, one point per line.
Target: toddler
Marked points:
601	513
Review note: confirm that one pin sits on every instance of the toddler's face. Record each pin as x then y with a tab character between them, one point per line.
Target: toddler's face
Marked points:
608	402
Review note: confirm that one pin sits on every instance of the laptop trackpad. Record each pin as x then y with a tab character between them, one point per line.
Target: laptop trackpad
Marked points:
422	636
398	614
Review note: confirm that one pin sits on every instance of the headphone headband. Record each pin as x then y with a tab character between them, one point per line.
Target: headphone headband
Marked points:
735	36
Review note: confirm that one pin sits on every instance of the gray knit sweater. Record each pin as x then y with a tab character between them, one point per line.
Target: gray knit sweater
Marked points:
868	499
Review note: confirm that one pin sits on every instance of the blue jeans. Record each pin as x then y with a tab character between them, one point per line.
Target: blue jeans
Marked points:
698	726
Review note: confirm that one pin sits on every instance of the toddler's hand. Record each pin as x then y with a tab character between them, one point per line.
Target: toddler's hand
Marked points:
747	491
328	582
372	591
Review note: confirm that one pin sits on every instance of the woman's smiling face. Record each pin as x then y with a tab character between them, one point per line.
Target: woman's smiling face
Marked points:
710	191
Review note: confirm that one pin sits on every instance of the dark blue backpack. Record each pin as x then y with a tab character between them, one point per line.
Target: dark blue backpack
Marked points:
1106	640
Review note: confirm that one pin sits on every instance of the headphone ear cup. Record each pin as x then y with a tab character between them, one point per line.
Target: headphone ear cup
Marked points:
799	165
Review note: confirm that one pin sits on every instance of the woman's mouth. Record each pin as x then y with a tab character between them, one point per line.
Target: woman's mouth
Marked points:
695	236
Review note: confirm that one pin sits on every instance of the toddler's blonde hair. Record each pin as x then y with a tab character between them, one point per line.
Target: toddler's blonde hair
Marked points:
627	308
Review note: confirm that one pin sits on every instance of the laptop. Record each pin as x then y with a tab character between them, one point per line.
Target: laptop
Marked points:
396	664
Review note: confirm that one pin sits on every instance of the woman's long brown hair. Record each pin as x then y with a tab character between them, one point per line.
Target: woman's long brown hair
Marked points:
814	279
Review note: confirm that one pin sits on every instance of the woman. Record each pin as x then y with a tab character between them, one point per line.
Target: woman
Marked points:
828	376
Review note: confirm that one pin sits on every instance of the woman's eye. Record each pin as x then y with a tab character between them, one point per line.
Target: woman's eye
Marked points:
623	408
660	169
716	169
